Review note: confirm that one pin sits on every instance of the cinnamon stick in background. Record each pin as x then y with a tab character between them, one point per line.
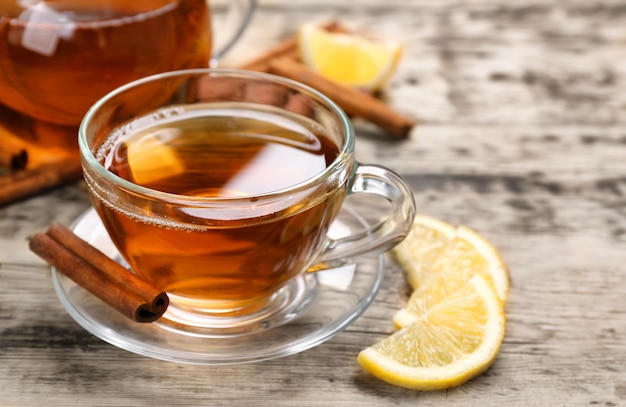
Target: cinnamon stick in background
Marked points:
352	101
93	270
12	158
28	182
287	48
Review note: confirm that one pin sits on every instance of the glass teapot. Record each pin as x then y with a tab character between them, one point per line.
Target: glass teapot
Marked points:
57	57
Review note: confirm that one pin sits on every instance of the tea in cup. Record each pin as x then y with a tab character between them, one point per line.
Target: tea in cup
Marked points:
222	190
59	57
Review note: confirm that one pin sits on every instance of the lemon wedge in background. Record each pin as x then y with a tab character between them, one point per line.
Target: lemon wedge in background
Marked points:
452	341
349	59
434	246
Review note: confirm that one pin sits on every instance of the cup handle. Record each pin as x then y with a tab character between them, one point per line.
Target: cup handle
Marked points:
382	236
238	16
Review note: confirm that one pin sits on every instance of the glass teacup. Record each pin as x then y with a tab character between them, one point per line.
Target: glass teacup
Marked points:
220	186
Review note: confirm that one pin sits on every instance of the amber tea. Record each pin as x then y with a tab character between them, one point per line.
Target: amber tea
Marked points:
202	258
60	57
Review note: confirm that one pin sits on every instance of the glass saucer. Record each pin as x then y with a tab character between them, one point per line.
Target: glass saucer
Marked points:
341	295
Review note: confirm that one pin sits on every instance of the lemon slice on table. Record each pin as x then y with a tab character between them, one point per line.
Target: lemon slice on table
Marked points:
349	59
453	324
434	247
425	243
452	341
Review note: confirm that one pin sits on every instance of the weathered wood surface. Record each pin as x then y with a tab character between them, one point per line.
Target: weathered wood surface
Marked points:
522	106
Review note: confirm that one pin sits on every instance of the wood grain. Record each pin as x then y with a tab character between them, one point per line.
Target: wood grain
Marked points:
522	110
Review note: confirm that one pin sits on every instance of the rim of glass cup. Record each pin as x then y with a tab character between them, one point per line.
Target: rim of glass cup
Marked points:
88	155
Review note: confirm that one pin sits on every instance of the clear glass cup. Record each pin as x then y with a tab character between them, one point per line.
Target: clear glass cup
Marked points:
220	186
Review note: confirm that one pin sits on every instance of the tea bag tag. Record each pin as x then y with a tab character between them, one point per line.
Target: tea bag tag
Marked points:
43	38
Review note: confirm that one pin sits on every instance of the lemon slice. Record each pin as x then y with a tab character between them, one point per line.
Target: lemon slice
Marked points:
151	155
431	293
349	59
471	251
428	239
453	340
433	247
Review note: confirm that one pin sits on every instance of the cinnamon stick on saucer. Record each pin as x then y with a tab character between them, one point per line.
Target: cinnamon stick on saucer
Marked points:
352	101
93	270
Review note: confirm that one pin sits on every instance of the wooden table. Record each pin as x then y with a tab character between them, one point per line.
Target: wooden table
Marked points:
522	136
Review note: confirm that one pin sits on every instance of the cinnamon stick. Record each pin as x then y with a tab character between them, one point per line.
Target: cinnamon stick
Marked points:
12	158
116	272
352	101
28	182
93	270
287	48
